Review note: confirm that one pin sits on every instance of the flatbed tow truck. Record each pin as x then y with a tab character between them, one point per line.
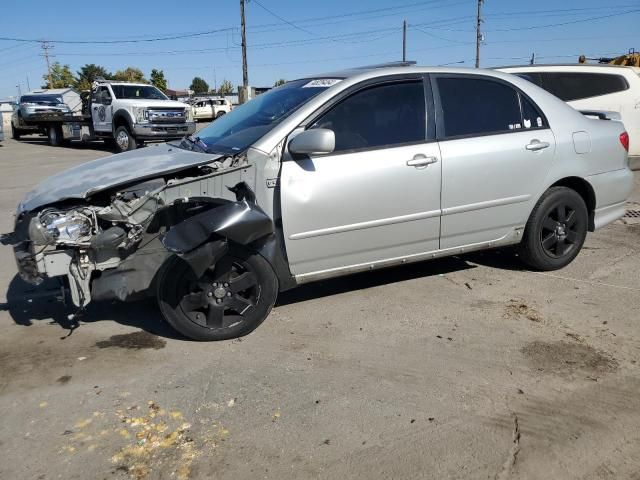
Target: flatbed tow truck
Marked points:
123	114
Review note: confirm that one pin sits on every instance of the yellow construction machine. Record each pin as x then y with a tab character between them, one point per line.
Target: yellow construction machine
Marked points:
631	59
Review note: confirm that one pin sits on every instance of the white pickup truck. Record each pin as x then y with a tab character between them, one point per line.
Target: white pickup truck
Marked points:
121	113
211	108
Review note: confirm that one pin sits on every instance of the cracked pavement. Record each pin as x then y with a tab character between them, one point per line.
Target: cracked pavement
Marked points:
467	367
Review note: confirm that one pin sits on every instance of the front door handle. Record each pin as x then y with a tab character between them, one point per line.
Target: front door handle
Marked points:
421	161
537	145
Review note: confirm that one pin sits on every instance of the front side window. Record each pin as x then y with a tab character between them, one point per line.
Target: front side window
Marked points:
384	115
475	106
574	86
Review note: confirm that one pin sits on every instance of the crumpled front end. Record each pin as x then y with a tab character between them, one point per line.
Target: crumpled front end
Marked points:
108	246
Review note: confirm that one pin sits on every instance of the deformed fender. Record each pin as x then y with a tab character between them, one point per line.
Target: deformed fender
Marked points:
241	222
202	239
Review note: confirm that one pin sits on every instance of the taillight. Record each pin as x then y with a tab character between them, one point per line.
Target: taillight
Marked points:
624	140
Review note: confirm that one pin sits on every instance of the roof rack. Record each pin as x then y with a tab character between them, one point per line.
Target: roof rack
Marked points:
408	63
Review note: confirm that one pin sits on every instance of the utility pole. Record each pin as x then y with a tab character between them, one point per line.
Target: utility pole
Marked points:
533	58
28	86
245	74
404	41
478	33
46	47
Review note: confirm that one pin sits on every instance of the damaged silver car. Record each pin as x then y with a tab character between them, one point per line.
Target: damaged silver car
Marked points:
326	176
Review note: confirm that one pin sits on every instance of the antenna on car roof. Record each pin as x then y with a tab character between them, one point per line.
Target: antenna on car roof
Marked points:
407	63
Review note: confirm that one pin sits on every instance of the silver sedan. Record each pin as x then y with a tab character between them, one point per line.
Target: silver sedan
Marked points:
325	176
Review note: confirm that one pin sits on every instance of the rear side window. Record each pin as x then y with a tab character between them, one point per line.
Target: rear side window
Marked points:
473	106
383	115
575	86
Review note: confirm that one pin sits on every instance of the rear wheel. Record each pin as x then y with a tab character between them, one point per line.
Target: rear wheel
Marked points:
55	136
124	140
556	230
231	299
15	133
219	114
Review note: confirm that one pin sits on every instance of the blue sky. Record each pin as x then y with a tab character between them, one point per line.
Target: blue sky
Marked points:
289	38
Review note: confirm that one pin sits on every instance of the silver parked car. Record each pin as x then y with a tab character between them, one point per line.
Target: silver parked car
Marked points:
326	176
32	107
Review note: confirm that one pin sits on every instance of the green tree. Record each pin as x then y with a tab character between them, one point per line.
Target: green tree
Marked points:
282	81
158	80
198	85
130	74
88	74
61	76
226	88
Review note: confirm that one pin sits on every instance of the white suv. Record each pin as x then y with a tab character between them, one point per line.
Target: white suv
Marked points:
593	87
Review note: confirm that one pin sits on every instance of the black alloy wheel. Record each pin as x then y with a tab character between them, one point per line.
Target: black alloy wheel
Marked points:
556	230
229	300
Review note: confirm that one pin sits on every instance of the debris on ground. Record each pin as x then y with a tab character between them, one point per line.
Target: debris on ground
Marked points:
516	309
150	440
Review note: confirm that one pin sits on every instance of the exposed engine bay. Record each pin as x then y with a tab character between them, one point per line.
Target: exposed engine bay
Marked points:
110	245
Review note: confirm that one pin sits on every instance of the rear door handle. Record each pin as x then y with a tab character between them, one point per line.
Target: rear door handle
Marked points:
421	161
536	145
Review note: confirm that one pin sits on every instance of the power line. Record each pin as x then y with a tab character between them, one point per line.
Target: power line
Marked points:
282	19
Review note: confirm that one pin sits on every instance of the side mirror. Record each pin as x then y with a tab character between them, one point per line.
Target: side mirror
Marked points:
314	141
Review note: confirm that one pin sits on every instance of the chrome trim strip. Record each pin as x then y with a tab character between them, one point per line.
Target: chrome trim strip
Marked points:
362	225
488	204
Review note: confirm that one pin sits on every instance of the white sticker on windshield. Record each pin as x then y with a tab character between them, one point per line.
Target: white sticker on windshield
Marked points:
322	83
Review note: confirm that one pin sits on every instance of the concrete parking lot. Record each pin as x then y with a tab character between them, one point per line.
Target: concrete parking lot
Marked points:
467	367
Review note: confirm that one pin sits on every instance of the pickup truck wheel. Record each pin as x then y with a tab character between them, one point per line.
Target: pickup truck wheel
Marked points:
124	141
219	114
15	133
55	135
231	299
556	230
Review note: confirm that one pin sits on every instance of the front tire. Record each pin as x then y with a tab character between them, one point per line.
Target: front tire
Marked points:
555	231
124	140
231	299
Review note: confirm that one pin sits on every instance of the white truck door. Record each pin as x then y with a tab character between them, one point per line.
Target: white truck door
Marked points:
102	109
377	196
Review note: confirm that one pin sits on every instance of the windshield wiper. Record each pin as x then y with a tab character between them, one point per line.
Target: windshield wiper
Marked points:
194	144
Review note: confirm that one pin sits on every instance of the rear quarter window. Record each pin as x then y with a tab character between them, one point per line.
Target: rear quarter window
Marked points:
570	86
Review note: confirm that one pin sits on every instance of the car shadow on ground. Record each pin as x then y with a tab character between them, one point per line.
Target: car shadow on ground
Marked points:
76	144
28	304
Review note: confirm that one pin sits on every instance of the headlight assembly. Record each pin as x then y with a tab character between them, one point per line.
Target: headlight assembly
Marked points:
53	226
141	114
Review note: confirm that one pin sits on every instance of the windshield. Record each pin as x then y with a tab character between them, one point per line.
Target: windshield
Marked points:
134	92
46	99
244	125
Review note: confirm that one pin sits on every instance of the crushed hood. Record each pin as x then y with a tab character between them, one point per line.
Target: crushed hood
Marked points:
104	173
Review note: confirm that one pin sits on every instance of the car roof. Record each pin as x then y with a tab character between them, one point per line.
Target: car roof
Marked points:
541	66
397	68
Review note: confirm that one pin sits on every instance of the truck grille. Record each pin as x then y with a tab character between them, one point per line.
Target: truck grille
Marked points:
167	115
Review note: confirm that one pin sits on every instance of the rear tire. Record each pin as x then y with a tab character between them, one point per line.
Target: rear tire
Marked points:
124	140
15	133
55	136
219	114
555	231
231	299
